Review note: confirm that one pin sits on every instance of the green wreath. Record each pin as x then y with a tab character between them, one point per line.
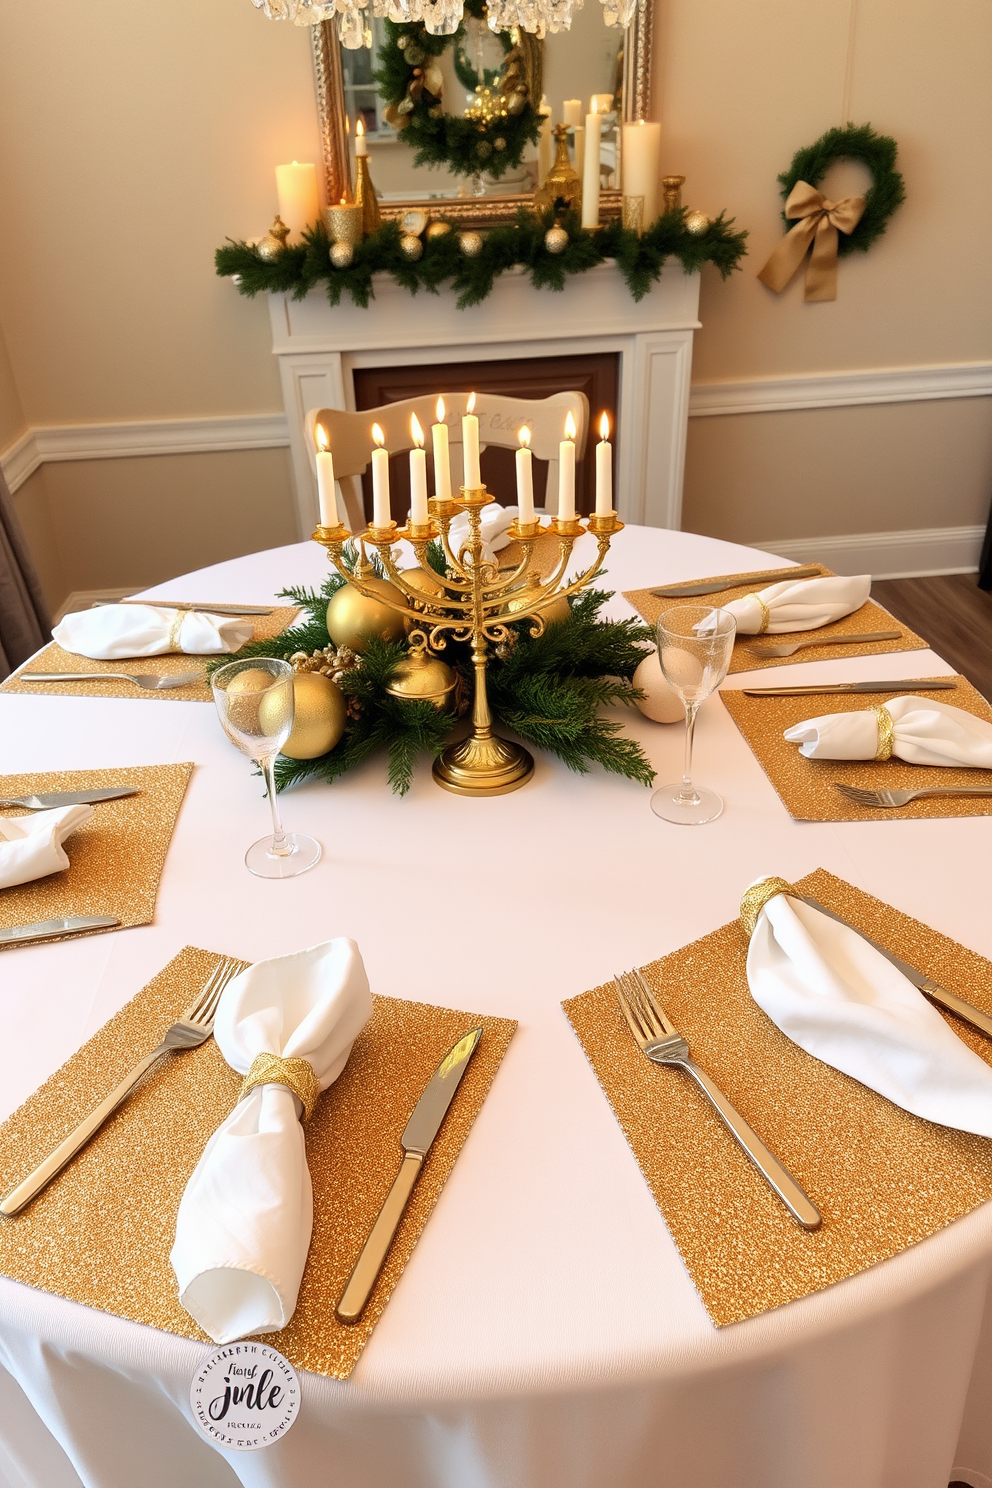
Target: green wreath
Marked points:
466	73
466	146
877	153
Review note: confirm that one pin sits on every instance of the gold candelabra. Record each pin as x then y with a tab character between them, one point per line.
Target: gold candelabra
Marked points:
474	601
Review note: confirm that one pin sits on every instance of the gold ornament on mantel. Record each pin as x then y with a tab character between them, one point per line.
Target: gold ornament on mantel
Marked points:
556	240
274	241
438	229
365	196
672	187
319	716
344	223
354	617
697	223
562	186
470	244
342	255
411	247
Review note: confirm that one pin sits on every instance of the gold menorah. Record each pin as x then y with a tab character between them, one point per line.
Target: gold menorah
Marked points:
473	601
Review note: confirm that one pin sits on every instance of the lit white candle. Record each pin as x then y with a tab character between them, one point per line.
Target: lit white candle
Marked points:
442	463
470	446
326	494
380	480
525	478
566	472
590	170
299	206
418	474
361	143
641	154
604	470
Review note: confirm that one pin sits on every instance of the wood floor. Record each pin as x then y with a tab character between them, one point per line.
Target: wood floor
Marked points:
950	612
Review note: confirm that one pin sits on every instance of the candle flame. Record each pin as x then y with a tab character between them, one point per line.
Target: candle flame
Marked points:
416	431
320	434
347	124
470	405
359	126
439	410
524	437
604	426
570	430
378	435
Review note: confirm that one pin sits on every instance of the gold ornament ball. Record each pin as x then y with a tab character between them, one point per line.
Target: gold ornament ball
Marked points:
342	255
429	585
319	717
249	705
423	678
269	248
697	223
439	229
411	247
470	243
558	609
556	240
352	619
659	702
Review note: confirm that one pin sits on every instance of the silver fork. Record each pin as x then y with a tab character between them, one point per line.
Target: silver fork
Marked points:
789	648
193	1028
150	681
902	797
661	1042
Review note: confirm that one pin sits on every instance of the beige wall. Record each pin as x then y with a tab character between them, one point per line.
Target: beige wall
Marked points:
136	137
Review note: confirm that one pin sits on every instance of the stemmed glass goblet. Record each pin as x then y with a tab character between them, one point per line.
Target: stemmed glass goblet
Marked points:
254	699
695	643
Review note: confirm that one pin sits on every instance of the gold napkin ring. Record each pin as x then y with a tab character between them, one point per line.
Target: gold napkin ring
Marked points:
296	1074
757	896
885	726
177	626
765	614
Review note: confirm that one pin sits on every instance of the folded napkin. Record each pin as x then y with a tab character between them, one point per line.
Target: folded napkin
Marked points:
244	1223
495	521
799	604
914	728
31	846
843	1002
113	632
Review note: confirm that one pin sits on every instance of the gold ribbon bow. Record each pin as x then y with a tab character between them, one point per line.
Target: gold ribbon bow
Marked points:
819	222
296	1074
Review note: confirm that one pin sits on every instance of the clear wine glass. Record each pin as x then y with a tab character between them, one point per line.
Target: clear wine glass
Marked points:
695	643
254	699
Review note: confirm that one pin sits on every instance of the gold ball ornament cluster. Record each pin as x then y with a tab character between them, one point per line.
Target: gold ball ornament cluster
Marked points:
320	714
342	255
697	223
353	619
470	244
556	240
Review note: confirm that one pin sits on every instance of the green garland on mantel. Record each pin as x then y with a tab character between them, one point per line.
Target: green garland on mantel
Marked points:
298	268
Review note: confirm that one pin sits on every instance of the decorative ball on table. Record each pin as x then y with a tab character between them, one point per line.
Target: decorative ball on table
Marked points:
697	223
424	678
251	701
319	716
353	618
470	244
659	702
342	255
556	240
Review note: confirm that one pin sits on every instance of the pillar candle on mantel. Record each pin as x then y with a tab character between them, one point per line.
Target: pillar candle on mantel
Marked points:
545	143
604	470
590	171
381	515
299	207
442	462
572	115
525	478
641	154
361	143
470	447
566	472
326	494
418	474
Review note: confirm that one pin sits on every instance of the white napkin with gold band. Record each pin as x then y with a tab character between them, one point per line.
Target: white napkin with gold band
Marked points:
920	730
31	846
115	632
799	604
244	1222
843	1002
495	521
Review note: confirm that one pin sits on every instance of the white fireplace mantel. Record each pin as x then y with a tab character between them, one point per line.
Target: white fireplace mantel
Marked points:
319	348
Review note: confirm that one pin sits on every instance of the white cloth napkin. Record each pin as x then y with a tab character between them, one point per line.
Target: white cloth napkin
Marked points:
113	632
31	846
843	1002
800	604
495	521
244	1223
924	732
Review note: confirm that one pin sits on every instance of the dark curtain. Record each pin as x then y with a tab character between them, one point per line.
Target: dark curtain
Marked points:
24	621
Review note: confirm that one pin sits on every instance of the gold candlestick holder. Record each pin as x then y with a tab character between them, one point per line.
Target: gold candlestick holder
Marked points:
476	602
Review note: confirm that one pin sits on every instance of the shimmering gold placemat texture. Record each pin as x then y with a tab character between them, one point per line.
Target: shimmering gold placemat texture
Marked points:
870	617
882	1179
115	859
102	1232
806	786
54	659
544	559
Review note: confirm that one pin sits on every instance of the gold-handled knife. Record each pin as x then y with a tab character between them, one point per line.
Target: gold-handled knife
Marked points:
933	990
906	684
735	581
416	1141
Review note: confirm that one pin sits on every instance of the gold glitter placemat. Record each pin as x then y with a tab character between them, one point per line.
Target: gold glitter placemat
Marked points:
544	559
870	617
882	1179
102	1232
115	859
806	786
54	659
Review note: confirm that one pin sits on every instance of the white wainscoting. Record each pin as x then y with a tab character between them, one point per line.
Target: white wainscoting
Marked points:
841	389
913	554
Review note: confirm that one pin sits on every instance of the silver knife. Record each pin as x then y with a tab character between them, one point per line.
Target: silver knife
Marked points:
735	581
936	993
188	604
69	798
416	1142
908	684
16	934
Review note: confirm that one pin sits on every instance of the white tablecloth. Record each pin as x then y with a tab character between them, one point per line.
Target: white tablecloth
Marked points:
545	1333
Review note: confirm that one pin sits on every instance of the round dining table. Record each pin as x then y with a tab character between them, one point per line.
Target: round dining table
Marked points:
545	1333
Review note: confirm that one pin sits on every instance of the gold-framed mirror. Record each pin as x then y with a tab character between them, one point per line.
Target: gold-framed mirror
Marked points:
591	58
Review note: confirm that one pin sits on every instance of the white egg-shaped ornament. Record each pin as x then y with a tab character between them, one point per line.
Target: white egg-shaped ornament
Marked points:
659	702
